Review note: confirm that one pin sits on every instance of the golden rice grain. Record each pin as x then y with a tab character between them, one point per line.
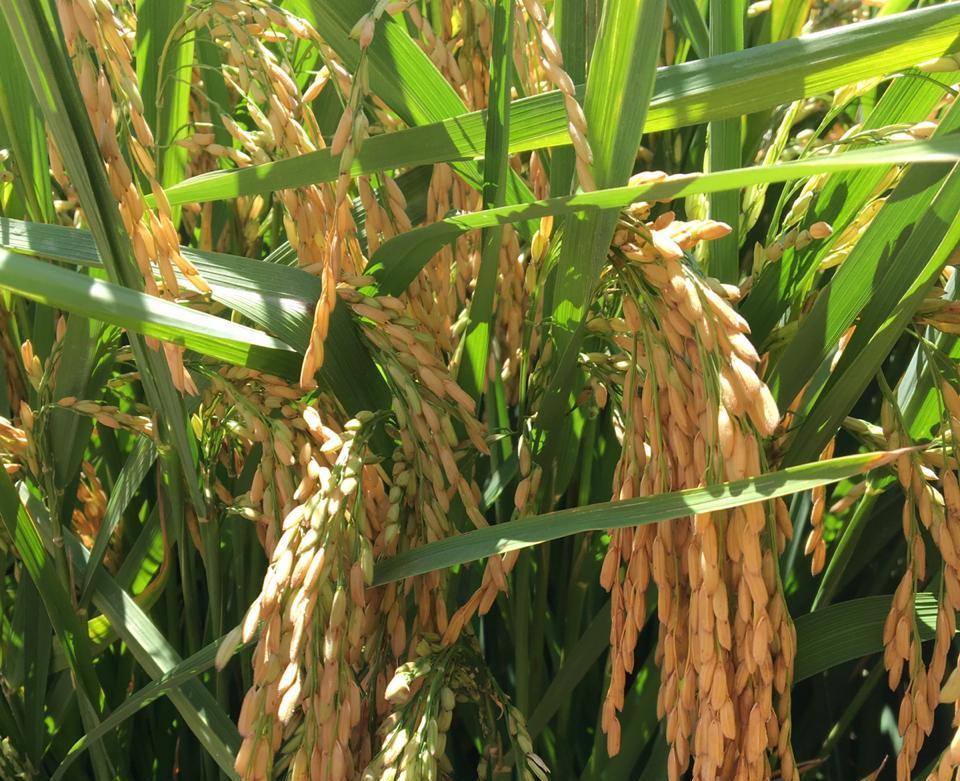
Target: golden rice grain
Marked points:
714	717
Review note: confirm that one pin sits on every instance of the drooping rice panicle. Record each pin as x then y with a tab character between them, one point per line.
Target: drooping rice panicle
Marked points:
693	410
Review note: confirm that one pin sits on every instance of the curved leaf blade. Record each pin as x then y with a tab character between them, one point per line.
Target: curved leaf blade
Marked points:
278	298
148	315
525	533
399	260
850	630
714	88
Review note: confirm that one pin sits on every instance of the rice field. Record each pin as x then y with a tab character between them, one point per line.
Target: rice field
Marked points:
499	389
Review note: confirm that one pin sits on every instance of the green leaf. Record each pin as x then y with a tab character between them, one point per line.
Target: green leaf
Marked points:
145	557
620	84
909	98
619	87
787	18
476	340
725	146
758	78
145	314
164	60
401	75
85	361
514	535
913	270
278	298
398	261
894	7
170	681
849	630
139	463
572	27
694	27
918	391
55	87
26	663
844	548
201	712
590	647
70	630
23	130
763	77
882	282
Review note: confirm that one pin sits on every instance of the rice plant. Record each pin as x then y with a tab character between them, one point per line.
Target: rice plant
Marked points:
497	389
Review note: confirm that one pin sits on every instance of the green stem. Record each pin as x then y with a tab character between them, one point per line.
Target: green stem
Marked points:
476	342
833	576
724	141
176	518
839	729
521	631
573	619
538	622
